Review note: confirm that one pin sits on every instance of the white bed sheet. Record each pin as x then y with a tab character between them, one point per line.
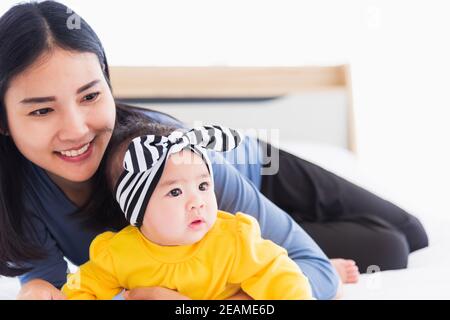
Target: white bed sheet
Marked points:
425	277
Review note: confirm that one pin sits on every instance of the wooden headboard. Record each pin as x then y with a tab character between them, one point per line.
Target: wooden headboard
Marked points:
159	85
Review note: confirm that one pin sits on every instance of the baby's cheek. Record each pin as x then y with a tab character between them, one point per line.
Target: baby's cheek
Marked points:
170	223
212	203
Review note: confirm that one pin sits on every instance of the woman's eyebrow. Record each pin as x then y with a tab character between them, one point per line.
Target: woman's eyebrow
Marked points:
53	98
87	86
38	100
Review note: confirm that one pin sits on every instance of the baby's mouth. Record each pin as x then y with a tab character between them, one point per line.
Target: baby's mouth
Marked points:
196	223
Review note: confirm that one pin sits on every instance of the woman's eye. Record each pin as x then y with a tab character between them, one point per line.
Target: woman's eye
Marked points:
203	186
91	96
41	112
175	192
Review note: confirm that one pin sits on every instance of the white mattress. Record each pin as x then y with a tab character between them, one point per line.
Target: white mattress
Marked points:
425	277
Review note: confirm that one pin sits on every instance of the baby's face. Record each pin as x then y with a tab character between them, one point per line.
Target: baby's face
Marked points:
183	206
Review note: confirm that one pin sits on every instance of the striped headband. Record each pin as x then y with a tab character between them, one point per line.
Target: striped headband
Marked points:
146	156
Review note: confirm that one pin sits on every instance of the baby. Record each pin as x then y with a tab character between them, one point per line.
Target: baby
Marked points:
177	237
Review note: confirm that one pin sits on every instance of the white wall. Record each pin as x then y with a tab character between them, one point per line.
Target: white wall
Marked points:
398	51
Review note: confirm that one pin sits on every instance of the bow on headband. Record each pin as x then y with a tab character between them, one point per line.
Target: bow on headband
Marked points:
146	156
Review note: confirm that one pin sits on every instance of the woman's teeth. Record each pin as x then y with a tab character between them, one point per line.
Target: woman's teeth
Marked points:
74	153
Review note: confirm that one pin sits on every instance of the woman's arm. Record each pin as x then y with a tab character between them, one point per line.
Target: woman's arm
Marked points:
236	193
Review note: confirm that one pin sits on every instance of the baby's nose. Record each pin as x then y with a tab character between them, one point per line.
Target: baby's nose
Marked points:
196	202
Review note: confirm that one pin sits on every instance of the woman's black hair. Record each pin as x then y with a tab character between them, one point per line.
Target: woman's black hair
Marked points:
28	31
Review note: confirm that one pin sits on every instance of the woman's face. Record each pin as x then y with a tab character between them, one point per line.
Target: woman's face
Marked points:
61	113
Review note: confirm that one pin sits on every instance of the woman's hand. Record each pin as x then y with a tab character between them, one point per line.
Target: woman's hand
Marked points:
153	293
241	295
38	289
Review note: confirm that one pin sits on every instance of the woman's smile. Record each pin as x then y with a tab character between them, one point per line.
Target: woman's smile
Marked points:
77	154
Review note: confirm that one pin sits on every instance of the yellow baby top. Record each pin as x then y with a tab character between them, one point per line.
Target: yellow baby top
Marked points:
232	255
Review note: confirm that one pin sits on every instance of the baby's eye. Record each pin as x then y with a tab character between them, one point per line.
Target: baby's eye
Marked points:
175	192
203	186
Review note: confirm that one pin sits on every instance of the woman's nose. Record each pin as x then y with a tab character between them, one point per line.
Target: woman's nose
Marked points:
73	125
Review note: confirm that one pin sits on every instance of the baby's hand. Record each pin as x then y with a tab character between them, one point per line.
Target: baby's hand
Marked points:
153	293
